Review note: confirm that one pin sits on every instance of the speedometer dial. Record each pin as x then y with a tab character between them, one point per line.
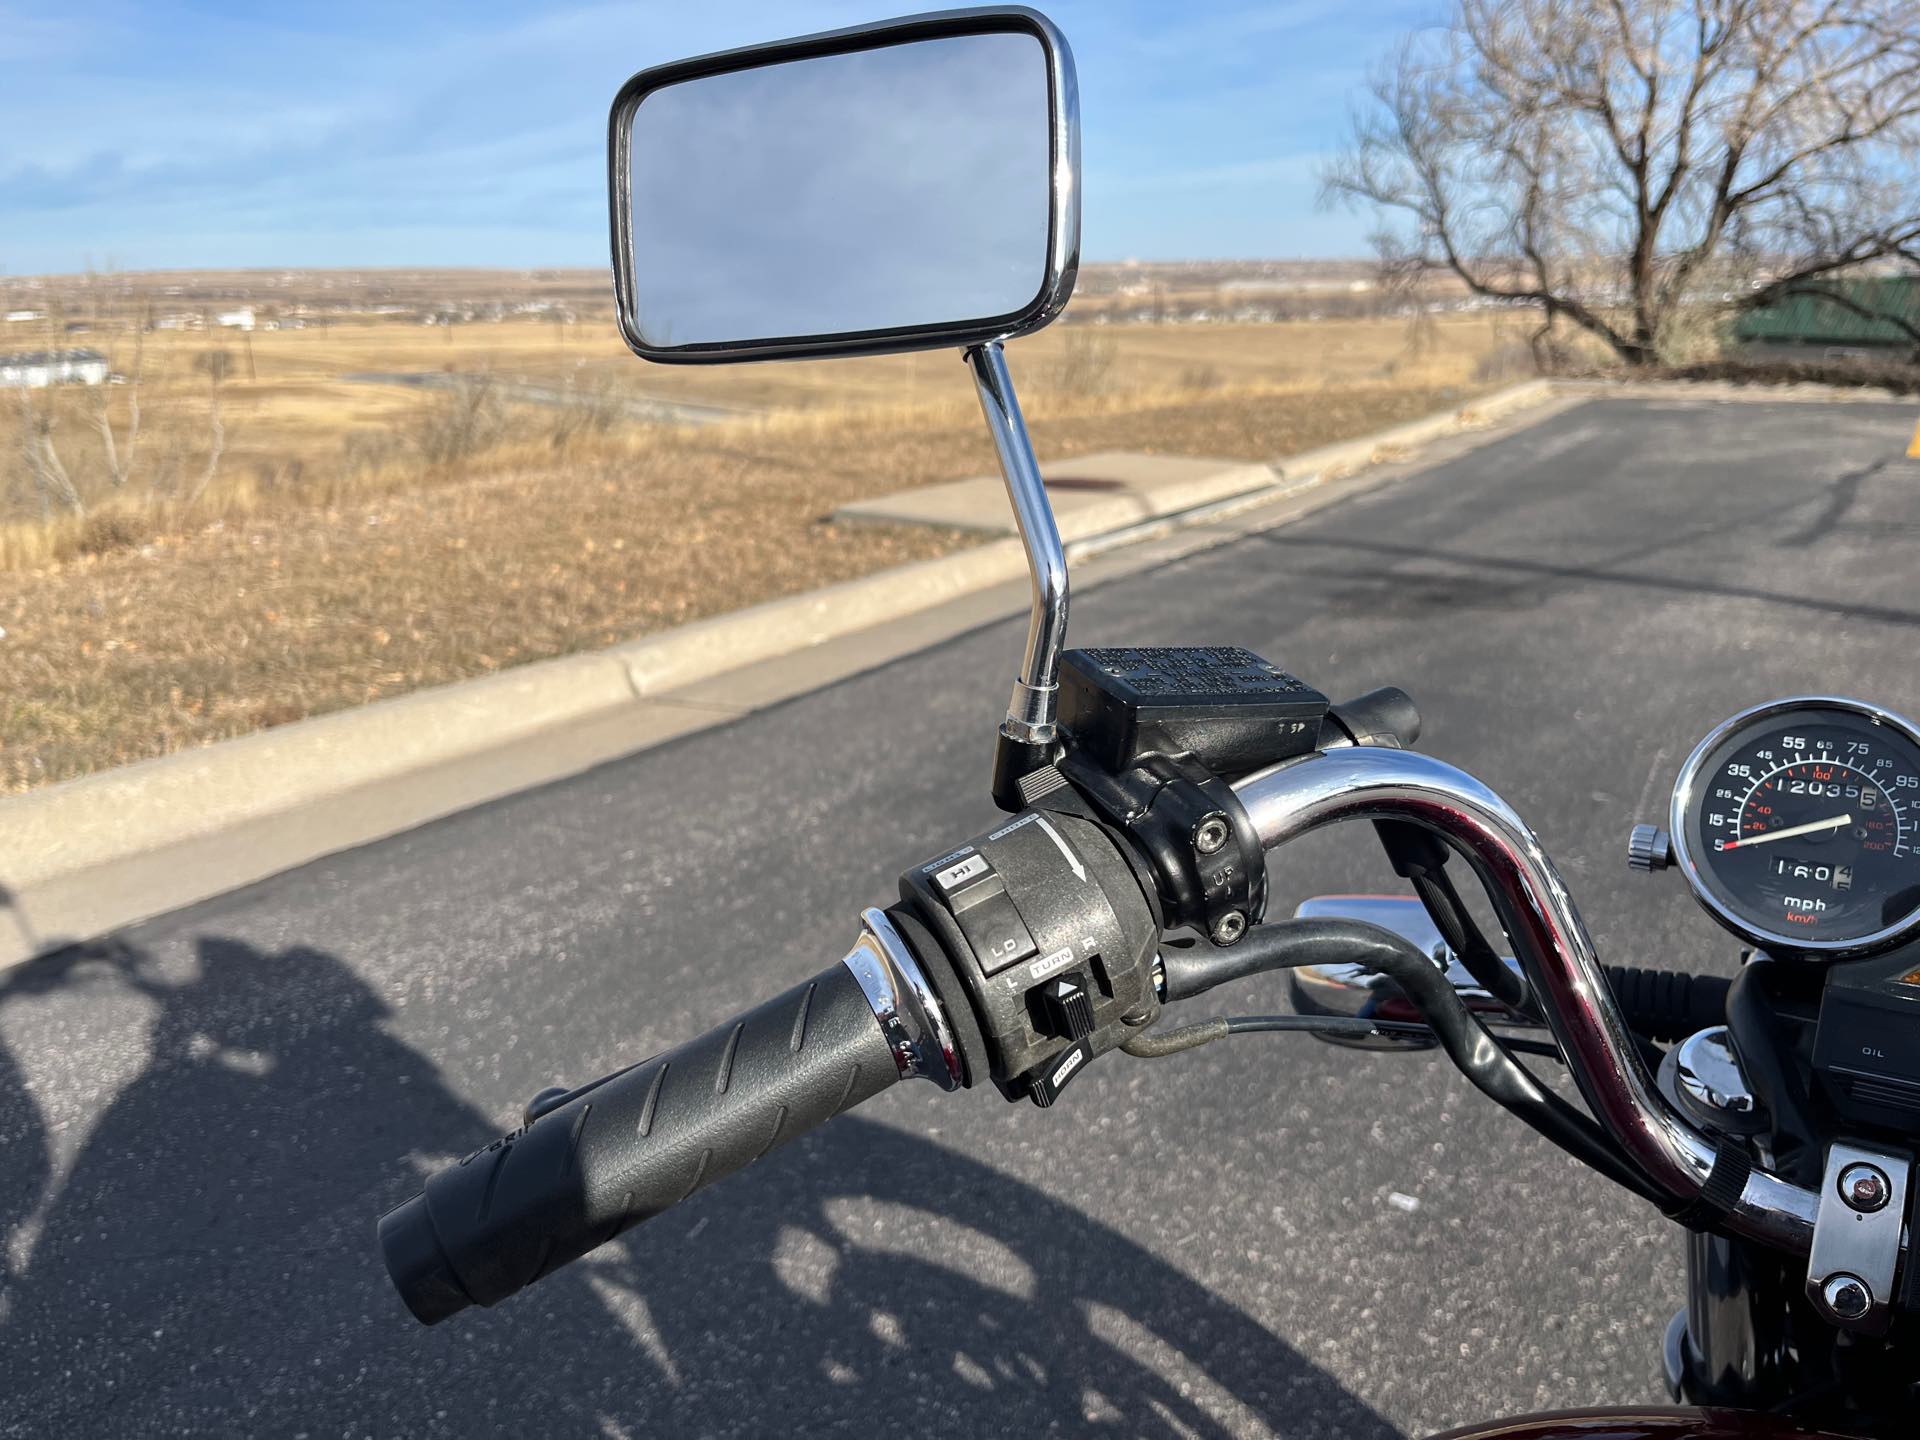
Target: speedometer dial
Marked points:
1798	826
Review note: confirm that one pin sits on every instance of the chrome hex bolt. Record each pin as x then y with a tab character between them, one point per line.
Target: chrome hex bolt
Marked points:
1865	1188
1213	833
1847	1296
1229	928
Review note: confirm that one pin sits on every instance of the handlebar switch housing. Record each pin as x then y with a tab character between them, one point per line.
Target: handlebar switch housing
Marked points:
1154	735
1048	929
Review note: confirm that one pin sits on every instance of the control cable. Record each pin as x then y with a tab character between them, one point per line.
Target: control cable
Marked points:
1289	944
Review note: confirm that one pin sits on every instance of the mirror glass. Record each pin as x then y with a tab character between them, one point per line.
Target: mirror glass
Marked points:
908	185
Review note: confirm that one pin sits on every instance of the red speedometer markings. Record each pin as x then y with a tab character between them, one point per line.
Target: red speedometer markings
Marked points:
1809	789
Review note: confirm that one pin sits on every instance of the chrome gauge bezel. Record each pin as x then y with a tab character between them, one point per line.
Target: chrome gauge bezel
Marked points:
1679	826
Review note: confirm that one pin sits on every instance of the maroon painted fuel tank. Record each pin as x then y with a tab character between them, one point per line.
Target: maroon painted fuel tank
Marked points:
1639	1425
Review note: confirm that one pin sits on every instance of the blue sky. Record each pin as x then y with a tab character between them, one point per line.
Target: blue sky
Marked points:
430	133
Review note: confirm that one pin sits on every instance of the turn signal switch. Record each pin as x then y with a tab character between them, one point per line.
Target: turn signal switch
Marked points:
1051	939
1067	1007
1649	848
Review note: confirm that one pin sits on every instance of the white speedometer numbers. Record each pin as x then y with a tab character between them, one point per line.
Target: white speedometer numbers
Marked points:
1797	824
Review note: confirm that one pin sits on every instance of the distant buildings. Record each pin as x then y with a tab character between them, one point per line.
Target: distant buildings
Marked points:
241	319
37	369
1857	319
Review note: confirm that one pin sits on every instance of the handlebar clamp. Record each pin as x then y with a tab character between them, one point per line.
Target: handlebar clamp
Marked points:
1209	870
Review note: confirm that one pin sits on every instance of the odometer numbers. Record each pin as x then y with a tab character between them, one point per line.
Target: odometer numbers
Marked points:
1796	824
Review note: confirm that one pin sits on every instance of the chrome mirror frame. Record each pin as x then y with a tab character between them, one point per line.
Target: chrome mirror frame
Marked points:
1063	235
1028	733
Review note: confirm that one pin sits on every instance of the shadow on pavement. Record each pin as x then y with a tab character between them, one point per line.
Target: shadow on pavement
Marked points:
1499	581
207	1264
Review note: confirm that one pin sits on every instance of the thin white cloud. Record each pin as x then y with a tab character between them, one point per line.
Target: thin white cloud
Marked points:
283	132
32	37
1278	169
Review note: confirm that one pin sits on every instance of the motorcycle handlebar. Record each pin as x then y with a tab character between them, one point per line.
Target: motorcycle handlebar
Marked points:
1565	974
635	1144
604	1158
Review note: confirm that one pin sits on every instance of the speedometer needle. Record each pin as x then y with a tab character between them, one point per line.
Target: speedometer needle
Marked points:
1789	832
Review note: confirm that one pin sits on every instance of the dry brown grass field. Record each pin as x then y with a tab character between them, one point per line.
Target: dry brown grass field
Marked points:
356	540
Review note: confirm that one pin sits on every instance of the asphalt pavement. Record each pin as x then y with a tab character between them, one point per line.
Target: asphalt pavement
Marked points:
201	1120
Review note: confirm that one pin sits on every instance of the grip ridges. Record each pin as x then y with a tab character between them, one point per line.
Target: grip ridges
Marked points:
636	1144
779	1124
623	1220
725	1077
846	1095
699	1174
573	1140
799	1036
493	1178
648	1110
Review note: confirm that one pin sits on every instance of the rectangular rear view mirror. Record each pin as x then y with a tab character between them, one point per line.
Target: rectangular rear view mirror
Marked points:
901	186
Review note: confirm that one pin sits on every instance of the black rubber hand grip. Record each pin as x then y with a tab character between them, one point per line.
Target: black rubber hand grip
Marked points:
631	1147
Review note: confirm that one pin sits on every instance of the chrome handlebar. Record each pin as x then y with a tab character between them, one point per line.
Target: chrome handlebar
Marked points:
1365	783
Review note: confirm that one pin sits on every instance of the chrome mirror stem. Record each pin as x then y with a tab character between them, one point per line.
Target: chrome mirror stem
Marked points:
1030	714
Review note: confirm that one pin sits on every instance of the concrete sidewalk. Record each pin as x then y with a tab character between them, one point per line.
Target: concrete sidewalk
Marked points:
1091	495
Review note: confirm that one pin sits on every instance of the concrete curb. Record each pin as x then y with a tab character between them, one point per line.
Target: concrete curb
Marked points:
1350	455
1717	390
88	856
797	622
141	807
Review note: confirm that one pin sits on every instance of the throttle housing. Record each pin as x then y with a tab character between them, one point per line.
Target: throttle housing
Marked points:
1048	929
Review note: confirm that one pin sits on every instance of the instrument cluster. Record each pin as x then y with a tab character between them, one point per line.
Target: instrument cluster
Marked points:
1796	824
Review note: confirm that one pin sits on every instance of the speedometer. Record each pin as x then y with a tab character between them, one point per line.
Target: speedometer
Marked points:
1797	824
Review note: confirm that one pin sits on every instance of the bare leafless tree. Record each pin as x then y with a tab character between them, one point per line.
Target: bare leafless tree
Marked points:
216	435
50	479
1612	162
121	453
